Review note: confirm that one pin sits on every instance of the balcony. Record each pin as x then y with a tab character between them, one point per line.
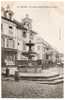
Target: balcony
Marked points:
9	50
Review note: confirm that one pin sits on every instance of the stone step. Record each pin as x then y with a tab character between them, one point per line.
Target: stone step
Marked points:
37	75
46	80
50	81
39	79
42	79
53	82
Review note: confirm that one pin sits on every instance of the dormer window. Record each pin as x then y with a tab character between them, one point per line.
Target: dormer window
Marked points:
8	13
10	30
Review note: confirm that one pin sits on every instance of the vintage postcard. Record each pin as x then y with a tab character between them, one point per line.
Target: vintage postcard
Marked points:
32	49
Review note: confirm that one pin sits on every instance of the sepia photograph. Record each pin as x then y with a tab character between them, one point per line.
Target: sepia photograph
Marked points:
32	49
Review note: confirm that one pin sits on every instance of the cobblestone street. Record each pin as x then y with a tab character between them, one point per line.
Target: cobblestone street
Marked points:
30	89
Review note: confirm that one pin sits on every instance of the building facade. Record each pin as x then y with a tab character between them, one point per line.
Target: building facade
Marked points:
8	38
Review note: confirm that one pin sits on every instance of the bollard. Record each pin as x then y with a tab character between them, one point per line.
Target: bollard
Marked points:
7	72
16	76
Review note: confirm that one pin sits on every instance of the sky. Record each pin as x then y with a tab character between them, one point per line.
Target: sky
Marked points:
47	19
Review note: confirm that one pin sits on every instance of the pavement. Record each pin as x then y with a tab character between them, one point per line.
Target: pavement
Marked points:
30	89
49	86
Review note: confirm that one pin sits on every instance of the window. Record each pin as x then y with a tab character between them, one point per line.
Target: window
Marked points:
10	30
7	43
10	43
3	42
24	33
13	44
26	25
46	56
1	27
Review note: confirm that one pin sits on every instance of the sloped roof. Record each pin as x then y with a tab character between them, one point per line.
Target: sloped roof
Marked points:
8	19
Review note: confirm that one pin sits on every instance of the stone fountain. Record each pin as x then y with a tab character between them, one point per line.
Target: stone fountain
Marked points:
30	53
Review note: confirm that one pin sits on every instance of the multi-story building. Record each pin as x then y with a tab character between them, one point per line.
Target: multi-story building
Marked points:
45	53
8	38
40	49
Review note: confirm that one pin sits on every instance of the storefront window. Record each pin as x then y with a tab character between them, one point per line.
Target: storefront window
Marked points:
10	60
